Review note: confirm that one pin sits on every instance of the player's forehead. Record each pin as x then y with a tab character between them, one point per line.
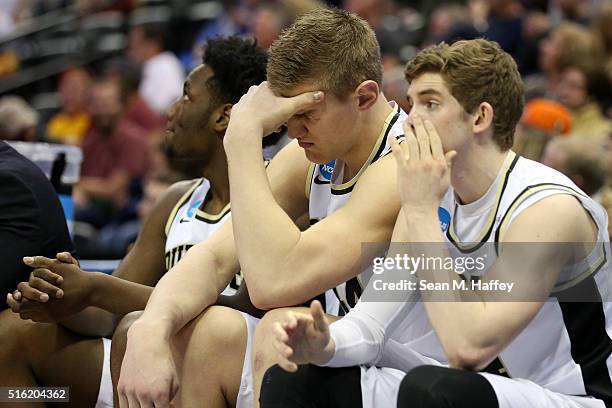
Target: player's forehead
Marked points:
428	83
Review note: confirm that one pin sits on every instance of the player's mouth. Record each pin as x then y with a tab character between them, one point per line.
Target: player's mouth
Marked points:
305	145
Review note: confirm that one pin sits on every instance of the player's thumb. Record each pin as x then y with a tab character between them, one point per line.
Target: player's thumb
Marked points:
316	310
450	157
307	100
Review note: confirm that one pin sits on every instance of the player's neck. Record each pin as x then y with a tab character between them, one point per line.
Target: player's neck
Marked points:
474	171
366	134
215	171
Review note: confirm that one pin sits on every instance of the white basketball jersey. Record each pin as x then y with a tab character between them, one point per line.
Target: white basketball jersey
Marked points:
188	225
326	193
567	347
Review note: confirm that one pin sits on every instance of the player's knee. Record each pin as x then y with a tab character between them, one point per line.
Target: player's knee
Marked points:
18	335
431	386
220	325
283	389
120	334
264	354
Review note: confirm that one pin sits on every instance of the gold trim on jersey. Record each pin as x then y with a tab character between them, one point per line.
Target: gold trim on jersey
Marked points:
528	192
311	172
485	231
213	217
379	141
184	198
591	270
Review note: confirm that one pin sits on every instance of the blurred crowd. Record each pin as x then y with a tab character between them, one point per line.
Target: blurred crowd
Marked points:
116	110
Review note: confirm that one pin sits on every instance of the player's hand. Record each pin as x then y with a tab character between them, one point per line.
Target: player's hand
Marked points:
56	289
423	169
303	338
259	107
148	374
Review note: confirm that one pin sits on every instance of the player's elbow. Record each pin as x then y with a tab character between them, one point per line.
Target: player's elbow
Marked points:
469	357
270	296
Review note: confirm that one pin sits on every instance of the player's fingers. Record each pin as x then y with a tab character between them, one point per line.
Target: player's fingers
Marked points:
398	152
38	262
422	137
291	321
450	157
17	295
45	286
318	315
31	293
48	275
67	257
410	142
279	333
12	303
287	365
306	101
434	140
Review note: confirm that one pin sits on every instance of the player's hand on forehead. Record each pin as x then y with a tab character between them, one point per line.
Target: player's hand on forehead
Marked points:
259	108
423	169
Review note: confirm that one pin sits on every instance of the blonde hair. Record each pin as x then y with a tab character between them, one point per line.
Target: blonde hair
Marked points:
330	48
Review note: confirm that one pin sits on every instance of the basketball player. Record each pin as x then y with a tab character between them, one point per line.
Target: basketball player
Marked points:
455	166
334	172
60	354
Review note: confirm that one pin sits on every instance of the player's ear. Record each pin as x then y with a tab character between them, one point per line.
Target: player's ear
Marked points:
367	94
221	117
482	118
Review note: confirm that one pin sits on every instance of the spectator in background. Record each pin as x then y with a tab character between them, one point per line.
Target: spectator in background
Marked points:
566	44
386	18
127	74
575	11
17	119
71	123
583	165
497	20
603	29
584	89
542	120
267	23
443	21
162	73
115	159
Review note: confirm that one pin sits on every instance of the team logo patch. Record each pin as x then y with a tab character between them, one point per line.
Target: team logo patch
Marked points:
445	218
326	170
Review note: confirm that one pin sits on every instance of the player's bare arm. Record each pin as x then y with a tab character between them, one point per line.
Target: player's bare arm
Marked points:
87	297
473	333
262	227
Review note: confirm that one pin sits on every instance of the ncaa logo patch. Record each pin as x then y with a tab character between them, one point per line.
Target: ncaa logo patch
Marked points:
444	217
193	208
326	170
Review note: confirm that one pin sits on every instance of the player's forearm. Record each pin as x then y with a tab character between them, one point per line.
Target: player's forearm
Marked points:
459	317
118	296
92	321
184	292
263	232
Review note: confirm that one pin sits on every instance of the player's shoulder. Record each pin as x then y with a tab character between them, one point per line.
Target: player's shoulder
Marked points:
176	192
